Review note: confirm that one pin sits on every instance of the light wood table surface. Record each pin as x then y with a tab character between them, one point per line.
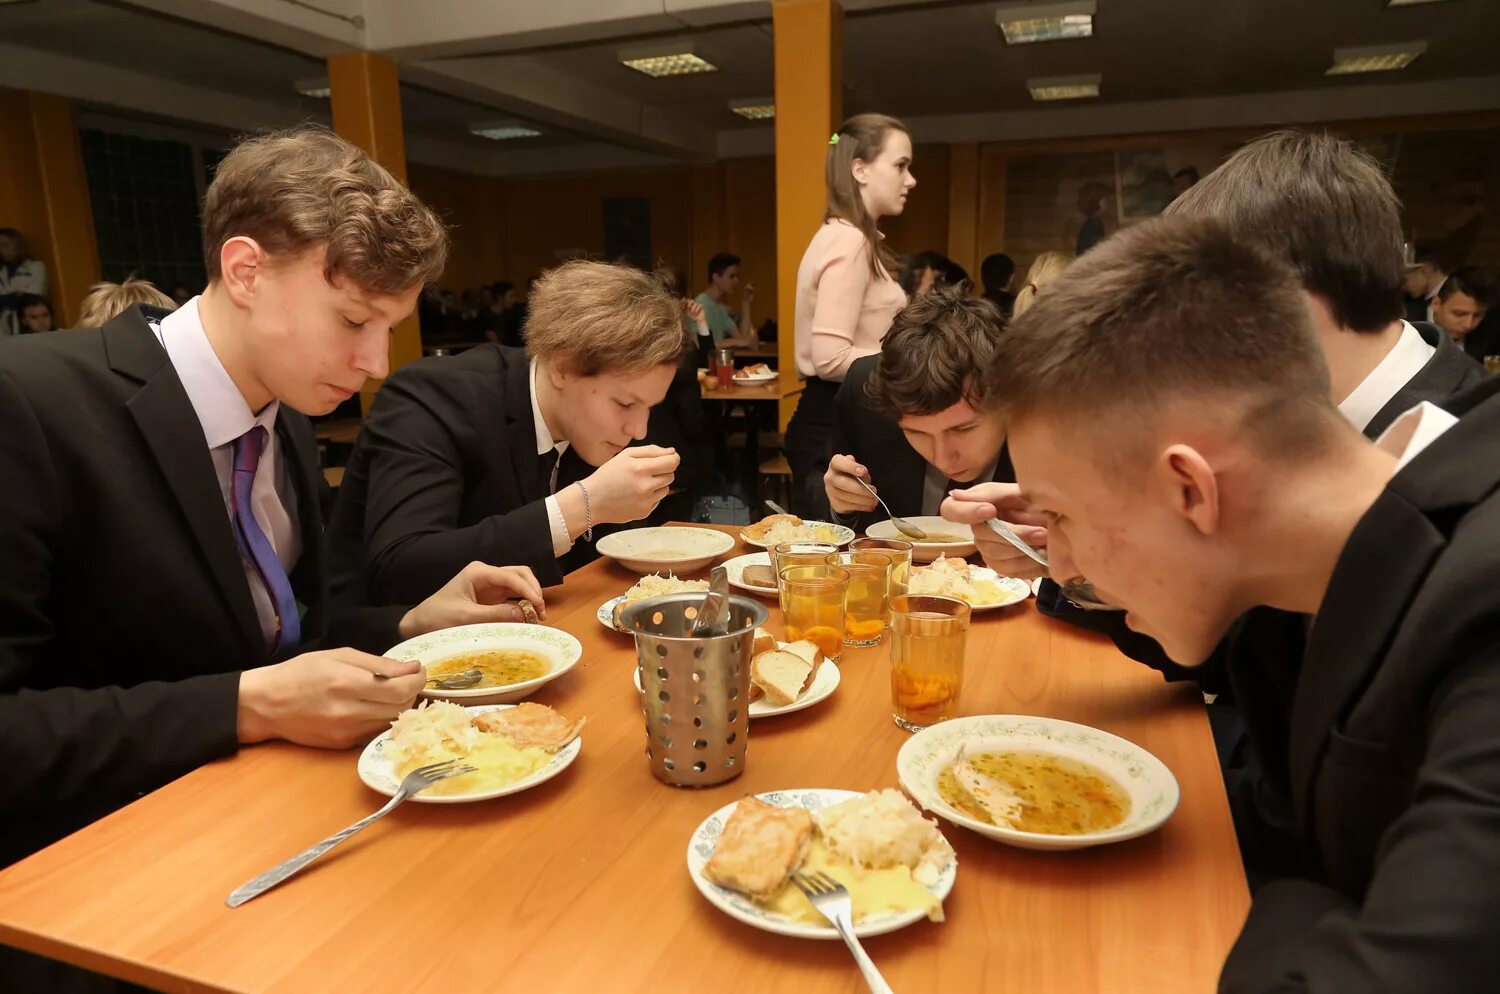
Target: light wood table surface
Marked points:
580	884
768	390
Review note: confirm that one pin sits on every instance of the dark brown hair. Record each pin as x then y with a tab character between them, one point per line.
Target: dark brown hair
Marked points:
861	137
1478	283
1322	205
299	189
932	352
594	317
1168	310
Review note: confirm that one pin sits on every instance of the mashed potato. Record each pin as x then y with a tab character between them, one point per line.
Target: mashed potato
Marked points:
440	730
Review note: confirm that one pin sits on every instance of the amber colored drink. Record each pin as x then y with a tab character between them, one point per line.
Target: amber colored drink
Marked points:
897	551
812	606
928	639
867	606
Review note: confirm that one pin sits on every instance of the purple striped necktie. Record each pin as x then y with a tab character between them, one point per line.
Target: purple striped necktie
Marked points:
254	546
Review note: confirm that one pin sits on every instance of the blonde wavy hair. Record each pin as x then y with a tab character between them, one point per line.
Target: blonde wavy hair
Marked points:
303	188
106	300
1044	269
589	318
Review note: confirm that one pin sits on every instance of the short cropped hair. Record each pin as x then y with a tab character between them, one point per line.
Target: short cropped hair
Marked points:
1325	207
596	317
305	188
996	271
1481	284
1168	310
720	262
105	301
930	356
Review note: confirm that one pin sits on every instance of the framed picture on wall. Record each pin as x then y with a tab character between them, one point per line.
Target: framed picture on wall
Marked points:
1143	186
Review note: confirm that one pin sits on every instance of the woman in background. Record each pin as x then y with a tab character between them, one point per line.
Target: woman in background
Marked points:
846	294
1044	269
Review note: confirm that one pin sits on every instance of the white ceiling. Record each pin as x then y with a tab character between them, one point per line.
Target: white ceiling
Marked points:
938	63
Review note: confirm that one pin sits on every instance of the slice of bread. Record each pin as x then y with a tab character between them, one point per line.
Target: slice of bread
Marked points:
758	576
810	652
764	642
782	675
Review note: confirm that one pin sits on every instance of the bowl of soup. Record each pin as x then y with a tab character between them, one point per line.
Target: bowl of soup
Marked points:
513	660
944	538
1037	783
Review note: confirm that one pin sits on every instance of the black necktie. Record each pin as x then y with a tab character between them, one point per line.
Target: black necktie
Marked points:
546	463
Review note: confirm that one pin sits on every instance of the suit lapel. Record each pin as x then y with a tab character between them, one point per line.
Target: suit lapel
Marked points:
1383	564
1446	373
169	425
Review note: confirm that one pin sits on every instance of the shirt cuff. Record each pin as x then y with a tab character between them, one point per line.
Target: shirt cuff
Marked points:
562	542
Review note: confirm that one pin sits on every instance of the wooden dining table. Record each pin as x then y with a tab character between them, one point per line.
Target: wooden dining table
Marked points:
580	884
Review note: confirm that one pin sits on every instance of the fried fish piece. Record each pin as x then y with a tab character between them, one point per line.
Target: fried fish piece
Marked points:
758	530
531	724
760	848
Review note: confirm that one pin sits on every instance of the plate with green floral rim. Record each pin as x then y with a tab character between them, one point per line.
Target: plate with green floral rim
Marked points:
736	905
561	651
1152	788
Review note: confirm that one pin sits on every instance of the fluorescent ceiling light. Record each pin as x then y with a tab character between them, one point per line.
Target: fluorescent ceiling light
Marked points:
669	59
1374	58
316	88
503	130
1408	3
1064	87
1022	23
755	108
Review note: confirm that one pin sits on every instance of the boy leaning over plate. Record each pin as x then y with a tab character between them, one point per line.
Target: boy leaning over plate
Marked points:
1169	415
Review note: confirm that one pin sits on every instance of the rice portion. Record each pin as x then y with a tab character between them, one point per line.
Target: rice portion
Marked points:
883	829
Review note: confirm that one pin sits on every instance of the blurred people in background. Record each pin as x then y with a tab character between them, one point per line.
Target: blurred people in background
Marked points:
1092	197
1044	269
998	272
19	274
36	314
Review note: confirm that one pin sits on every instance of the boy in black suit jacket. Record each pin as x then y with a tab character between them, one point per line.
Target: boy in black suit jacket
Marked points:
1194	468
164	593
906	421
502	455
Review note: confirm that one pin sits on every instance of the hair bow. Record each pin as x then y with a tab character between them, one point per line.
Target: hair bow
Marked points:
835	139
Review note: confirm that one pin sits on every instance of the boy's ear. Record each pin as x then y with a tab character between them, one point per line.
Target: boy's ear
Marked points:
241	260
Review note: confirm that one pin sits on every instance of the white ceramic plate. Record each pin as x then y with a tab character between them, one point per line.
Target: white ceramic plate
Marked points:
606	615
926	552
759	378
654	550
378	771
1152	788
706	836
825	682
841	536
1012	590
736	569
561	650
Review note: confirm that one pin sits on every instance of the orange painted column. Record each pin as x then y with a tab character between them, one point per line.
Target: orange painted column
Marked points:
809	43
44	192
963	208
366	98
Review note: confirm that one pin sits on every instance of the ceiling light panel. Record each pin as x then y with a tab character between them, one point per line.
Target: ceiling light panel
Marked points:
671	59
1374	58
1064	87
1024	23
503	131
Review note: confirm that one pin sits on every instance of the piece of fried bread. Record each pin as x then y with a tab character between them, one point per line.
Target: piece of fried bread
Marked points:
761	846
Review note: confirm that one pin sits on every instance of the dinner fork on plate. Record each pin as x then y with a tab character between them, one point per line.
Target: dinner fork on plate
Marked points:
415	782
831	899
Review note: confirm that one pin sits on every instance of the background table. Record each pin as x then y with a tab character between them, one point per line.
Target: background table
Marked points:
580	884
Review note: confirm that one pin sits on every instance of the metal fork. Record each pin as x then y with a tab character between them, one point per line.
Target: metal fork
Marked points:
415	782
902	525
831	899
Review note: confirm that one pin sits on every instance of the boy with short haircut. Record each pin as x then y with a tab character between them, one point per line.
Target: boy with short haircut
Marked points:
724	282
909	422
1195	468
164	597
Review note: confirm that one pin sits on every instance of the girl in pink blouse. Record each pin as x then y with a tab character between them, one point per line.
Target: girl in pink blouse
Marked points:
846	295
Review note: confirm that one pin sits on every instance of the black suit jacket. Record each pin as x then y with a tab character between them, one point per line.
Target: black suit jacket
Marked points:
1395	745
125	616
897	470
446	472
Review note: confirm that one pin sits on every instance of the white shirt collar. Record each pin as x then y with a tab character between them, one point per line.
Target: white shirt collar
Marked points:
221	408
1405	360
543	433
1413	431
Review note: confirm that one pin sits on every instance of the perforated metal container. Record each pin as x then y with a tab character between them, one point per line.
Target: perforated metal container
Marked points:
695	691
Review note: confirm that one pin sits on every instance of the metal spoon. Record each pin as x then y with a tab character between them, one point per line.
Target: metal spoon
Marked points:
1078	591
458	681
902	525
712	615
